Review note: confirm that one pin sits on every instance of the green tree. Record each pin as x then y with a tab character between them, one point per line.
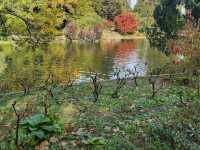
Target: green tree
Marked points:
157	38
108	9
168	17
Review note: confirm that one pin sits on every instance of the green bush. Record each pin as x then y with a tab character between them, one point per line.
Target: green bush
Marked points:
40	127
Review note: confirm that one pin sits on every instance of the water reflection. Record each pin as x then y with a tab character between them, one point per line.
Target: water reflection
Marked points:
34	66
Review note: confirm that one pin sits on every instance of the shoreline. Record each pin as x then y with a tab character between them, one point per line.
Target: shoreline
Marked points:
107	38
111	35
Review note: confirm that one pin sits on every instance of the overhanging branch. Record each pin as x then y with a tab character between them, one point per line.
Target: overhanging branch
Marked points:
8	11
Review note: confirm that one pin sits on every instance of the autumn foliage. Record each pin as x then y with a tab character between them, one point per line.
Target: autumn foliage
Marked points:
126	23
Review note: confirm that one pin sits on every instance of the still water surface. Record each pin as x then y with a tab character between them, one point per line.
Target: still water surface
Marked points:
61	59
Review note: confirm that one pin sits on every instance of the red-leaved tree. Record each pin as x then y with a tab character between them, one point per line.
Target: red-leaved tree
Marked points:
126	23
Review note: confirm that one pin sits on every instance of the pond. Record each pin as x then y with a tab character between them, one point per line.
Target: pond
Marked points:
61	59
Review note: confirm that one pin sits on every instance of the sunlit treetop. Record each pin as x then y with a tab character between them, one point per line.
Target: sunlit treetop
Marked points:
36	21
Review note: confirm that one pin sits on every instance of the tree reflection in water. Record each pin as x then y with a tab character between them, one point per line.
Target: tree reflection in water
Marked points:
34	66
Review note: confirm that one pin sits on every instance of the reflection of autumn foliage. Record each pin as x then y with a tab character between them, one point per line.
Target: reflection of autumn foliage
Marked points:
126	22
122	48
127	46
109	46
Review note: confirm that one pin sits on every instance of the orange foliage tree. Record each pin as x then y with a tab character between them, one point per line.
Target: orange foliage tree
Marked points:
126	23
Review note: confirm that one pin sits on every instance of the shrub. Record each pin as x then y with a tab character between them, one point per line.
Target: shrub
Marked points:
97	86
126	23
91	35
120	82
40	127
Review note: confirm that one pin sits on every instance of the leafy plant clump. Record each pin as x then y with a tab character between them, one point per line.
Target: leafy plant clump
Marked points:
40	127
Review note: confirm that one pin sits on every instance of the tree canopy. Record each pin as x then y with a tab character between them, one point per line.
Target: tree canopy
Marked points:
40	21
108	9
36	21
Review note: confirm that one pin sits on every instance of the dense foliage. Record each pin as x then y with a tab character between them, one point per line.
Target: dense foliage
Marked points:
194	5
35	21
170	18
144	11
157	38
108	9
40	21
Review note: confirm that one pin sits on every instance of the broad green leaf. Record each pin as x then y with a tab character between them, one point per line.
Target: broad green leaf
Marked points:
36	120
39	134
51	128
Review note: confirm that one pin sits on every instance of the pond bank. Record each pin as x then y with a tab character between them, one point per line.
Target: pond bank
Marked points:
110	36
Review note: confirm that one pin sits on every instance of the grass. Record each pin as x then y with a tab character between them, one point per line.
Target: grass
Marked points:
132	121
